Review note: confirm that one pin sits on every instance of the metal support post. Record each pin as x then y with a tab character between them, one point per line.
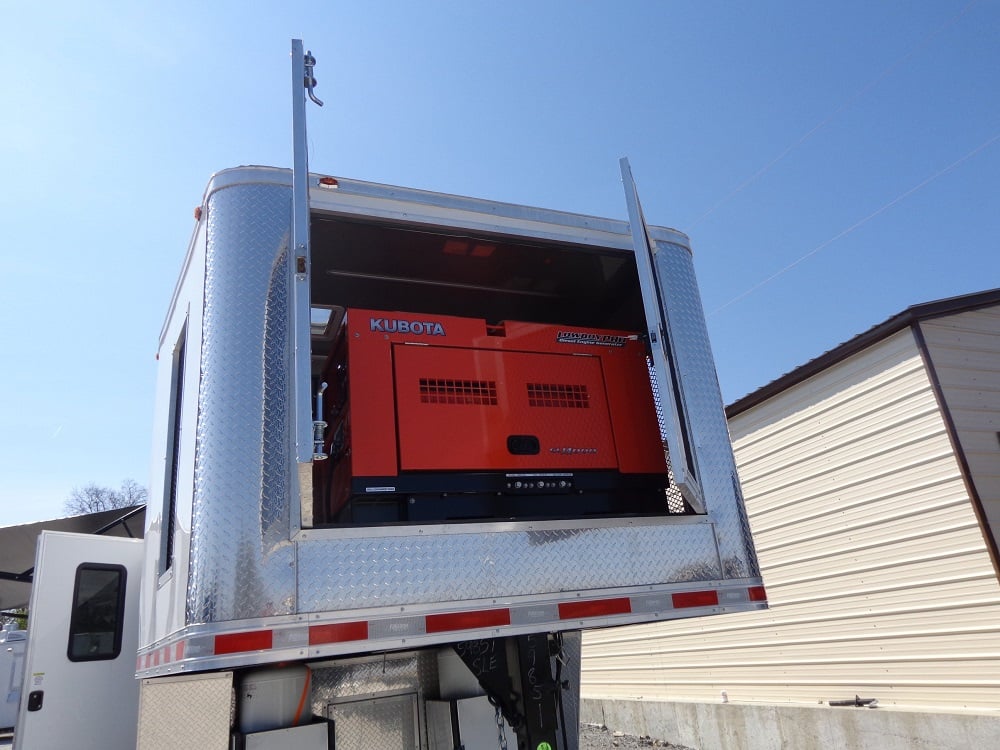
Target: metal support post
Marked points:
516	673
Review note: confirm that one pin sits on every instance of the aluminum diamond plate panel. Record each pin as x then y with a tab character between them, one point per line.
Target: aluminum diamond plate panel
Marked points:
386	722
334	687
245	561
406	672
185	712
706	415
353	573
241	558
393	680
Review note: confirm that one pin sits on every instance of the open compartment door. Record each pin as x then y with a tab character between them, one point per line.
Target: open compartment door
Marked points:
668	385
299	271
308	429
80	689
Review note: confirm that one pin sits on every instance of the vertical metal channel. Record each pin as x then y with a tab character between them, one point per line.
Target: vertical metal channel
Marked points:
299	267
682	454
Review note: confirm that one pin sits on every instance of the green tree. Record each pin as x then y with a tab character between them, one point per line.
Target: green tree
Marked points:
17	616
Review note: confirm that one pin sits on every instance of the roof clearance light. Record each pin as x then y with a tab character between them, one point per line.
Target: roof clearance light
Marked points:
329	182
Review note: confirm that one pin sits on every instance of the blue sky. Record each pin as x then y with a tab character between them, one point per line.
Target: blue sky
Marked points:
116	114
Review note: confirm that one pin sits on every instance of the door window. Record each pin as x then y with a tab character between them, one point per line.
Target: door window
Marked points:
95	629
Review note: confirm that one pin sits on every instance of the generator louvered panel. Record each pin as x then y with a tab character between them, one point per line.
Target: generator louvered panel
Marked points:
878	579
446	391
560	396
457	407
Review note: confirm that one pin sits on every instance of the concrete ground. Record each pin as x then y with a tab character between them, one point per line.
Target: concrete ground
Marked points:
731	726
598	737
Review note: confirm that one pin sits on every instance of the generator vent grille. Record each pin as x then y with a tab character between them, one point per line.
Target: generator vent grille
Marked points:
564	396
446	391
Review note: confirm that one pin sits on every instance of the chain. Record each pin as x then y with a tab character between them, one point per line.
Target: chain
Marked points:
501	734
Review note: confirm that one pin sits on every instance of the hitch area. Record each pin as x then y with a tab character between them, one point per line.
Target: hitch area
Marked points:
522	678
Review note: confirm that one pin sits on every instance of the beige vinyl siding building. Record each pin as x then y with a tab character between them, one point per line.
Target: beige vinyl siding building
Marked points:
872	484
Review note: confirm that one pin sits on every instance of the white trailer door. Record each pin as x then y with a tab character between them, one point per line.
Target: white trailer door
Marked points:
79	688
11	677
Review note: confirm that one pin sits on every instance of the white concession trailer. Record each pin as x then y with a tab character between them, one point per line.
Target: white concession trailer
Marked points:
407	446
12	647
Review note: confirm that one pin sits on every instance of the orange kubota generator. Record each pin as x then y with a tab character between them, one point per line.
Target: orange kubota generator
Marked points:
439	418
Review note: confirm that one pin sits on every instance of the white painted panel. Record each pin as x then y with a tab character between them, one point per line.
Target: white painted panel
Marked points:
965	352
877	574
79	689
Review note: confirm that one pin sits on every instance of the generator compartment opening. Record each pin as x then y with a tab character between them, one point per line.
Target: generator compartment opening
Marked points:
441	418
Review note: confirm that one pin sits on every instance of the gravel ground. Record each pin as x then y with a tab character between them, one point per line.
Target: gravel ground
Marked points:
597	737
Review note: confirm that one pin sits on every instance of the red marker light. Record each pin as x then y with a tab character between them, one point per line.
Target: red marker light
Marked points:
338	632
487	618
696	599
595	608
258	640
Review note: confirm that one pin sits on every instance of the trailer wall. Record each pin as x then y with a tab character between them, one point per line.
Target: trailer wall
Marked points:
239	491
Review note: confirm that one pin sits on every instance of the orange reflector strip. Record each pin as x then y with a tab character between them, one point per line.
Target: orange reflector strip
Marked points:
757	594
455	247
486	618
574	610
256	640
338	632
696	599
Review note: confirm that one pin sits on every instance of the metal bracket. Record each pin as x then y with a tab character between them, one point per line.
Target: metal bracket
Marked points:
516	673
303	64
309	62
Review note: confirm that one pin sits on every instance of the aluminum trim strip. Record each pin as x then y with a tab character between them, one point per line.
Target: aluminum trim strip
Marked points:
330	639
390	201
